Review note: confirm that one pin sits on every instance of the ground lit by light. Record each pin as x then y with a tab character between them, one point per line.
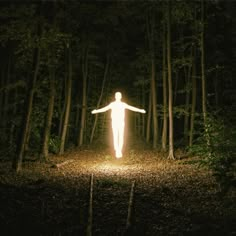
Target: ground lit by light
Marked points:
114	166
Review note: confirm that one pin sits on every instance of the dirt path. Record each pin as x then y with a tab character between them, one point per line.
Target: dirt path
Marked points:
170	197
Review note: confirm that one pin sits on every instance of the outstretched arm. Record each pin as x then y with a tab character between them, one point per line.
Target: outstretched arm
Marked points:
106	108
134	109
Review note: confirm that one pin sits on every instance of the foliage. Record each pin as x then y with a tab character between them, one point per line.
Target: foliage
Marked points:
54	144
215	147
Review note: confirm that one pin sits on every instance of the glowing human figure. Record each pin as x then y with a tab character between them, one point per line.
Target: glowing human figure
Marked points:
118	120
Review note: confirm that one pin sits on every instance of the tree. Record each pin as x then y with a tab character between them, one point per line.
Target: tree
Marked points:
202	48
17	162
194	87
194	97
151	35
52	91
164	86
170	96
68	99
49	114
101	94
84	92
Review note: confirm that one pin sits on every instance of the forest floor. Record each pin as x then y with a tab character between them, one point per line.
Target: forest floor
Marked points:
170	197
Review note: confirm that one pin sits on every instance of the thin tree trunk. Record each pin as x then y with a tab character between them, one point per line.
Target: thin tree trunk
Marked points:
49	115
204	109
63	109
164	129
149	118
26	148
101	94
68	101
143	105
154	106
84	96
204	97
17	162
151	30
194	98
170	97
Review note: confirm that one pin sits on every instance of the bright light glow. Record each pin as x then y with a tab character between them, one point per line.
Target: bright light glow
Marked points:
118	120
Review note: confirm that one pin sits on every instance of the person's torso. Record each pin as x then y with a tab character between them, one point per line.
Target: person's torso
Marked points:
118	111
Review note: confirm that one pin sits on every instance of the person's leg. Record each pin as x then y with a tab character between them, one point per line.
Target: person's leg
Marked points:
115	138
121	139
118	137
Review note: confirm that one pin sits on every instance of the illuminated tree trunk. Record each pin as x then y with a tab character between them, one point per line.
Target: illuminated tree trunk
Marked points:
151	29
101	95
170	97
84	96
68	101
17	163
143	105
154	106
149	115
164	129
49	115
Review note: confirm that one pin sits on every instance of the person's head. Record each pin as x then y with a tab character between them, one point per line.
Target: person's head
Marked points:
118	96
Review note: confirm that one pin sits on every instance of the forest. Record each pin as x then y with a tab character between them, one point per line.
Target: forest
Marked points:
60	60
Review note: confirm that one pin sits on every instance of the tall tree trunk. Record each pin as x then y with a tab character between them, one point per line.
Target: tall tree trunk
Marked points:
149	118
204	97
164	129
49	115
68	100
17	162
194	97
63	108
101	94
151	36
170	97
84	96
143	105
154	105
204	109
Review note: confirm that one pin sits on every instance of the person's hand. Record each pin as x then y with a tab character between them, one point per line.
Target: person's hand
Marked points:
143	111
94	111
